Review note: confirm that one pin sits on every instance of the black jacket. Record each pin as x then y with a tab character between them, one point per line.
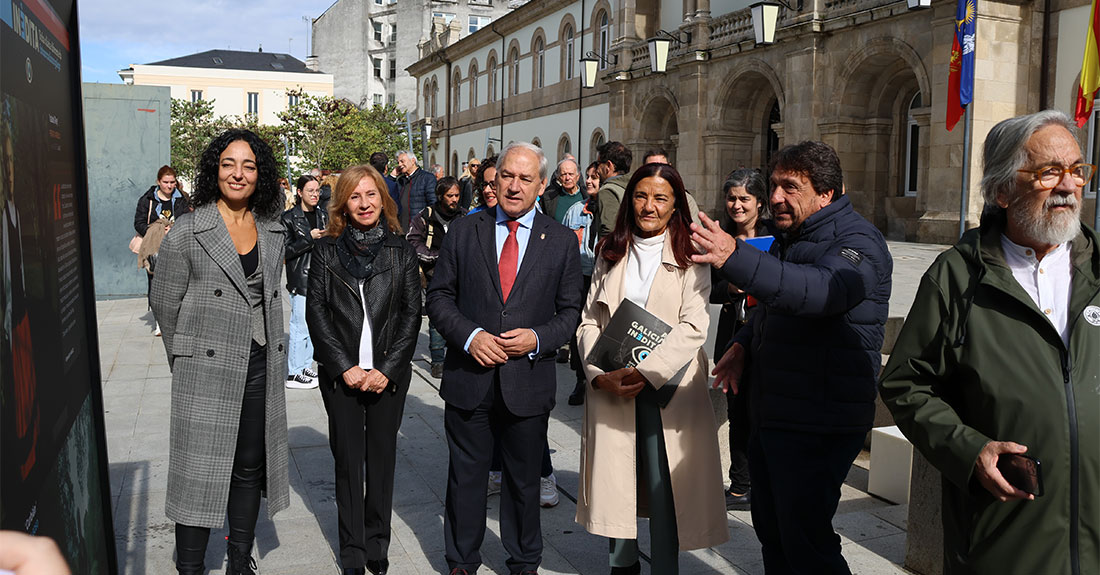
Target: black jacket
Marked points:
814	339
299	246
334	310
143	216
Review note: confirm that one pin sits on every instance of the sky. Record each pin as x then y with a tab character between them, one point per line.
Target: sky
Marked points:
117	33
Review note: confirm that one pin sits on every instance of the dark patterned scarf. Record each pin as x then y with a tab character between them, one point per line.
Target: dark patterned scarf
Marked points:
358	248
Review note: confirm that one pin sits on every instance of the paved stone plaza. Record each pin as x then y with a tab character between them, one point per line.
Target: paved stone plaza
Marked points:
303	539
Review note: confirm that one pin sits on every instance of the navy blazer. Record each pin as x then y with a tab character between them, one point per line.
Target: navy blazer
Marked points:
465	294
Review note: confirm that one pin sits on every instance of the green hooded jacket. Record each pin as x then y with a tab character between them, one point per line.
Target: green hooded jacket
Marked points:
978	361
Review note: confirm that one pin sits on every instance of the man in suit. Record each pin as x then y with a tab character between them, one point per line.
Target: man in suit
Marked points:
506	295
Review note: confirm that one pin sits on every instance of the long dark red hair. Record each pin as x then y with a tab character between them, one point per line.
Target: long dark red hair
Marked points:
614	246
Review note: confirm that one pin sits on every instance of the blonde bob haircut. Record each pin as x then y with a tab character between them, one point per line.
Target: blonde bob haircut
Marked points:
349	180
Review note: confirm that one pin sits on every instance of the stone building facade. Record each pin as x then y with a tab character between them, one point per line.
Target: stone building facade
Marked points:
368	44
867	76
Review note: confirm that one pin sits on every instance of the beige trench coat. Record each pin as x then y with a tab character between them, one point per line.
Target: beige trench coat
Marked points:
608	504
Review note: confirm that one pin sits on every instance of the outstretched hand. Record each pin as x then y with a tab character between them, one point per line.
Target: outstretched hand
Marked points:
728	370
717	245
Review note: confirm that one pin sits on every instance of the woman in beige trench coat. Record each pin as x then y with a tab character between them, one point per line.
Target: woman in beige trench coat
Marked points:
638	459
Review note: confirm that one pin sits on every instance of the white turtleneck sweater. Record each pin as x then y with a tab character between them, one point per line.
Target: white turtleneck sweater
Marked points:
642	262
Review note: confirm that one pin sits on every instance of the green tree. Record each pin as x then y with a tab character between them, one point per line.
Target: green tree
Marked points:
193	127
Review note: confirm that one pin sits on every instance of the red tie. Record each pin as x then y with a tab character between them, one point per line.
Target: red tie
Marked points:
509	258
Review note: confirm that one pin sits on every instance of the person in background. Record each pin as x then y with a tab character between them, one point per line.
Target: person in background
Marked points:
613	159
579	218
437	171
328	183
556	202
630	443
426	234
467	183
305	224
504	306
415	188
215	296
998	360
486	195
379	161
747	213
365	338
163	202
291	197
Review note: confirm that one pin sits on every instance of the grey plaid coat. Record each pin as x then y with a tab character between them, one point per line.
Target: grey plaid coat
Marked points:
198	297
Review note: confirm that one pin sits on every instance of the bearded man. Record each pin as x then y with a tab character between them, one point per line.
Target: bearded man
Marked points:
999	359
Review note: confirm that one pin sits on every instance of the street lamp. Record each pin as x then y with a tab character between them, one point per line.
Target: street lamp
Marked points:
659	47
765	16
589	66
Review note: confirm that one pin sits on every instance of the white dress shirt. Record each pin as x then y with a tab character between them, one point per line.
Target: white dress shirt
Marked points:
1048	281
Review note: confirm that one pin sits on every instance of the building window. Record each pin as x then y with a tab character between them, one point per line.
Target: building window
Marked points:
253	103
291	100
435	95
377	62
912	149
393	32
514	58
377	31
377	2
377	99
773	137
478	22
540	62
605	40
445	16
473	85
569	53
597	141
196	95
491	78
390	99
393	69
564	146
456	89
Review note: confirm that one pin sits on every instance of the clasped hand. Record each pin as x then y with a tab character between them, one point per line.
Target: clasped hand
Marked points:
358	378
489	350
985	469
625	382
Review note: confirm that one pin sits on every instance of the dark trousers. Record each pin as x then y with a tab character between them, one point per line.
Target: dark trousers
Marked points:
470	438
362	427
796	479
737	409
576	362
247	478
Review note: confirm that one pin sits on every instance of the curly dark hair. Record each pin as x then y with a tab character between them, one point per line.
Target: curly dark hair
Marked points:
817	161
268	199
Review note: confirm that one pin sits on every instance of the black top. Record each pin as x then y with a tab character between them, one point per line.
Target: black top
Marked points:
163	209
311	216
251	260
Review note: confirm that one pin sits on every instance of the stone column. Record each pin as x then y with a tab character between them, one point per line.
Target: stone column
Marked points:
689	10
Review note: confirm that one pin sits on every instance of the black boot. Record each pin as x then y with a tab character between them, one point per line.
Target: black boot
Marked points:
577	397
240	561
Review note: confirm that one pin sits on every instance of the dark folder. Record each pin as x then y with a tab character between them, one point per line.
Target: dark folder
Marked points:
631	335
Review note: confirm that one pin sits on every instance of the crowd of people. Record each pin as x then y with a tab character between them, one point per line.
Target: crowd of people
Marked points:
519	265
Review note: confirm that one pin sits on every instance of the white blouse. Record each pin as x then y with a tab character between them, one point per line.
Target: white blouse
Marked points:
642	262
366	346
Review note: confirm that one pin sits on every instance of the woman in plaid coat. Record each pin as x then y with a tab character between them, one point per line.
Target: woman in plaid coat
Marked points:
216	297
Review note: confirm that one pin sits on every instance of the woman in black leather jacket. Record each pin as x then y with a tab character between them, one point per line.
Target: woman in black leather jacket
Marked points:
305	224
363	268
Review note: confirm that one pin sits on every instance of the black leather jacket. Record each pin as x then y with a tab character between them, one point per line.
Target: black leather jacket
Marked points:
299	246
334	310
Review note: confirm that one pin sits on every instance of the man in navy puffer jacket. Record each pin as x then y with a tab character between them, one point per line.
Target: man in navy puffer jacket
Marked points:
811	349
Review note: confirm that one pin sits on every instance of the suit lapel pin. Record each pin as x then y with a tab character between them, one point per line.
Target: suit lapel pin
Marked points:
542	236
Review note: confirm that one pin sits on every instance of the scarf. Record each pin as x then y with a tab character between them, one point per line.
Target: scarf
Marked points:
358	248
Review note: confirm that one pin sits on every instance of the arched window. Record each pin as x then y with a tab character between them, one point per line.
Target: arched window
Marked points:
427	98
605	40
597	141
435	95
455	166
912	149
492	78
513	59
473	84
564	146
569	52
456	87
539	59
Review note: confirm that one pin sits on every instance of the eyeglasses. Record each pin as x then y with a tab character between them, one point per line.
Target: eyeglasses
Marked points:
1050	176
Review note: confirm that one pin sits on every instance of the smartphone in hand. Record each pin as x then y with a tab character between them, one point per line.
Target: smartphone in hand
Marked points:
1023	472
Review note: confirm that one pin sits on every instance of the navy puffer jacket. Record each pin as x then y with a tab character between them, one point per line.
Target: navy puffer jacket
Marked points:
813	343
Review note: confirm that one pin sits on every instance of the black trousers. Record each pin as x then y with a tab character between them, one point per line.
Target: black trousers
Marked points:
470	438
796	479
737	409
576	362
362	433
247	478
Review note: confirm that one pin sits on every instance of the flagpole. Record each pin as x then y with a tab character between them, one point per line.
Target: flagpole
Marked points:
963	205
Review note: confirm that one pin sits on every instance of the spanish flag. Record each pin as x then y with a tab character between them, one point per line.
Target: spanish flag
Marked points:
1090	70
960	80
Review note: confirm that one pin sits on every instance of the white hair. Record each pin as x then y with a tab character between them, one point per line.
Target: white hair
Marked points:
530	148
410	155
